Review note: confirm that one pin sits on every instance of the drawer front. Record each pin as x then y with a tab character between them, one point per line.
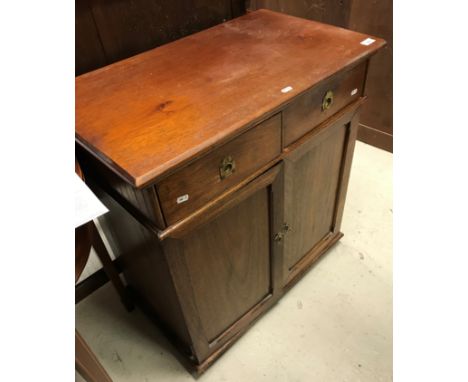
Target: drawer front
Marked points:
321	102
196	184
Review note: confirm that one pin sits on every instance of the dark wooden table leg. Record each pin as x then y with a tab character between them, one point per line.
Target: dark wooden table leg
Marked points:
109	268
86	362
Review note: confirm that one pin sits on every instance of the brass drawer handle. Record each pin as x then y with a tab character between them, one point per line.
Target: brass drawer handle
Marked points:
227	167
327	100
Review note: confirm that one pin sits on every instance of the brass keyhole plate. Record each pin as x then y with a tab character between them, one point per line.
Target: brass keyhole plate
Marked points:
227	167
327	100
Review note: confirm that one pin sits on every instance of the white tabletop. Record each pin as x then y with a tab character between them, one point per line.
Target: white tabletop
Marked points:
87	205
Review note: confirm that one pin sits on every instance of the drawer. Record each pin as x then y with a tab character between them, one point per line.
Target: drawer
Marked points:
321	102
196	184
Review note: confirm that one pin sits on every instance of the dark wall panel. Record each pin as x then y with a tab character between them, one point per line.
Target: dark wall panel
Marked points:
326	11
131	27
111	30
89	53
376	18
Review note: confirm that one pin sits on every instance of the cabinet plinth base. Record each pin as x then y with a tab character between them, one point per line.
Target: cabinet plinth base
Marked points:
182	351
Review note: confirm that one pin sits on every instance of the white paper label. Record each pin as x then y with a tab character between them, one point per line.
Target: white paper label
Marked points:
353	92
367	41
286	89
182	199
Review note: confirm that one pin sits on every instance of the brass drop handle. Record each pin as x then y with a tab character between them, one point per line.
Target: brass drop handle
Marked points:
327	100
227	167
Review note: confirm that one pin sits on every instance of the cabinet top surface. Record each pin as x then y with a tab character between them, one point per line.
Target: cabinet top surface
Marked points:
148	114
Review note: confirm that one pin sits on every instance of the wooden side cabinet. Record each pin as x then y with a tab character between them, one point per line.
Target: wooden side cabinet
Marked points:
224	160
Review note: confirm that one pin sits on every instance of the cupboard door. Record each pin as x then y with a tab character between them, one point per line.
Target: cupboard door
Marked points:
316	174
224	264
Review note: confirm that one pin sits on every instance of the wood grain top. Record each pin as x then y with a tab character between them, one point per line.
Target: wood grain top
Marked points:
149	114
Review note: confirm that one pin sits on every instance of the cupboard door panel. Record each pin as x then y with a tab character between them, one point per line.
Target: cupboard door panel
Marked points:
312	177
225	266
229	263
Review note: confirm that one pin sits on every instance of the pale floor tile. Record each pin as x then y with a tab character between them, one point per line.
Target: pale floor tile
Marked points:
334	325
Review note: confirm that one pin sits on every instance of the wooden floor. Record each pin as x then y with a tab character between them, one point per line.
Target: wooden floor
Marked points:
334	325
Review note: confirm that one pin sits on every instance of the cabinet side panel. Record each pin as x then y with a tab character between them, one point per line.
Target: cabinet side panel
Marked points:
144	201
310	188
144	266
229	263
